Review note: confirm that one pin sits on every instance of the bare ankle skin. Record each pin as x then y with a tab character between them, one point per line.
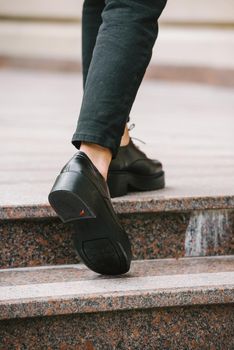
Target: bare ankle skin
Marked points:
100	156
125	138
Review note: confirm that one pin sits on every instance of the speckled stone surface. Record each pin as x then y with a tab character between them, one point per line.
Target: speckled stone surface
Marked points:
36	242
206	327
46	291
134	203
153	235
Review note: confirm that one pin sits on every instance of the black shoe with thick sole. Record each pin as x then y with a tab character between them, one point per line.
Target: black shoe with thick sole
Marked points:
80	195
132	170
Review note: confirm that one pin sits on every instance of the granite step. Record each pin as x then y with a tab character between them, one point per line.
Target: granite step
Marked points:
155	305
157	228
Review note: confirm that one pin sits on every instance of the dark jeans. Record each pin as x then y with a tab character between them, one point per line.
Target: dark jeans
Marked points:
117	41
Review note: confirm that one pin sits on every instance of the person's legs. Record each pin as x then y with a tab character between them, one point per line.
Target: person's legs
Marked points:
91	21
121	54
80	194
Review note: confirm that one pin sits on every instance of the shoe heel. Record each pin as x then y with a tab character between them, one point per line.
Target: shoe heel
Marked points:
118	184
66	197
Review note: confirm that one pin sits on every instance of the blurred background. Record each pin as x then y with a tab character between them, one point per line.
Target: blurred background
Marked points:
196	40
183	110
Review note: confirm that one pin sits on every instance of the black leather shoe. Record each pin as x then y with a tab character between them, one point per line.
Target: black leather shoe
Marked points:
131	170
80	195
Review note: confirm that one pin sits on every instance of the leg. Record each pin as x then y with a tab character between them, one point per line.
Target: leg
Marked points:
91	21
121	55
80	195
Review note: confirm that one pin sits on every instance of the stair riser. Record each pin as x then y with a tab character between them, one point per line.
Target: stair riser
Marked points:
153	235
180	328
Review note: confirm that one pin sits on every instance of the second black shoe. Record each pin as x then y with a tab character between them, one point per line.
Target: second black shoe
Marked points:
132	170
80	195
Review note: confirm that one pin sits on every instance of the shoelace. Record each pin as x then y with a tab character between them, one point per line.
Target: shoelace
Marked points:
132	126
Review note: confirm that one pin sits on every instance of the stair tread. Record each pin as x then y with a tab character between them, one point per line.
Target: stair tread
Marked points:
191	135
133	203
65	289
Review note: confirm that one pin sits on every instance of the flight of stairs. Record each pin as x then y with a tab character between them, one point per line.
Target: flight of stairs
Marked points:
178	294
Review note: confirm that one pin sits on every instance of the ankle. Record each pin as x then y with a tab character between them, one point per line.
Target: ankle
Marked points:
125	138
100	156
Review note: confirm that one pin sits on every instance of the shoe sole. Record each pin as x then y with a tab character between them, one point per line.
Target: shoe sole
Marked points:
99	239
120	183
